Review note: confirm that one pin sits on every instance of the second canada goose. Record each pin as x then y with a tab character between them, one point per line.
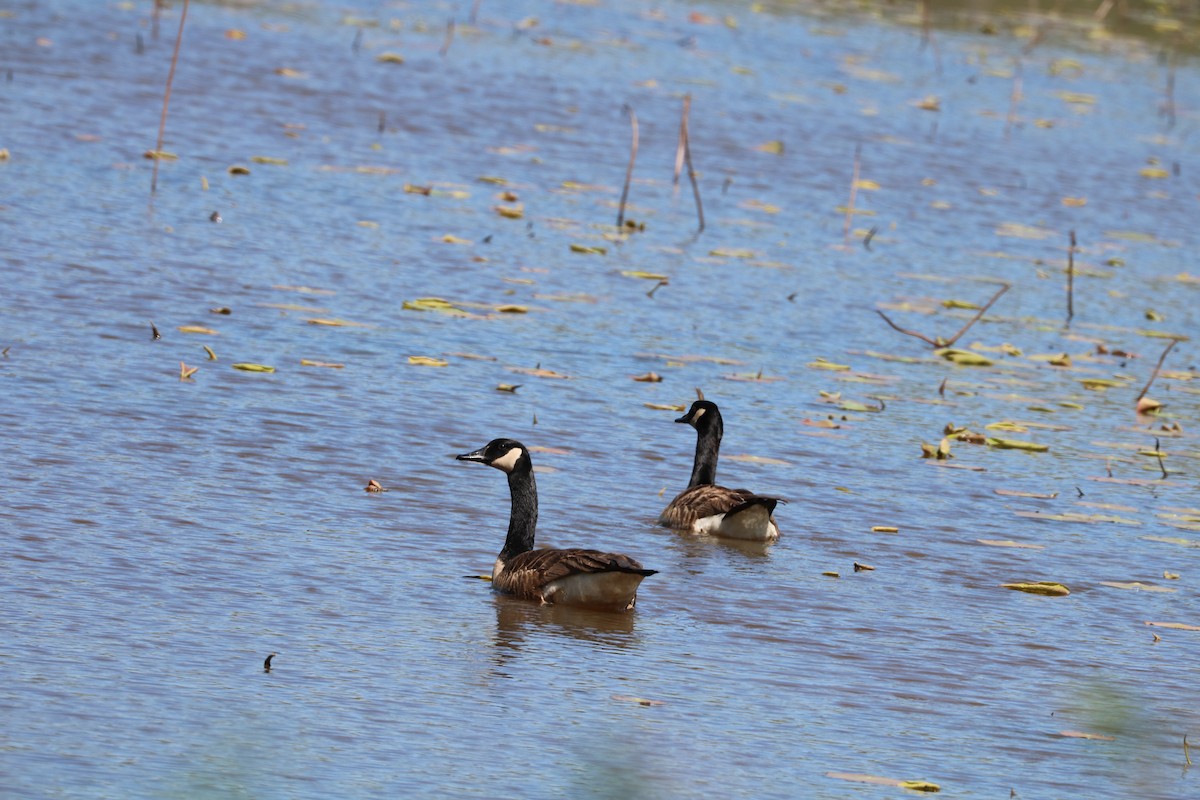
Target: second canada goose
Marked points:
578	577
704	507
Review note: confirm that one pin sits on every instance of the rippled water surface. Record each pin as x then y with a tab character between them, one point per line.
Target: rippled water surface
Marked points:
161	536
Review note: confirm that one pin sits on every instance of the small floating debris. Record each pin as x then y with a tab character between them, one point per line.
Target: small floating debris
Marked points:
1048	588
1102	737
641	701
374	486
267	662
916	786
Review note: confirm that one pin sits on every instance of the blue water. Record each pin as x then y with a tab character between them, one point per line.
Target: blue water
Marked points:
163	536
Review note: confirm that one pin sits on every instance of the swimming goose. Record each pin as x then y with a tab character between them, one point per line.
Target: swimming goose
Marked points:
579	577
704	507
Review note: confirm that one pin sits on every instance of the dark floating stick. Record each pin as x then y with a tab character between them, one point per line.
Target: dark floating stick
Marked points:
1071	281
267	662
1157	367
870	235
939	342
633	150
1158	455
154	332
162	122
687	158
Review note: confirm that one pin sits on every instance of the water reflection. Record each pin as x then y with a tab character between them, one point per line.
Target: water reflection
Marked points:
699	549
518	621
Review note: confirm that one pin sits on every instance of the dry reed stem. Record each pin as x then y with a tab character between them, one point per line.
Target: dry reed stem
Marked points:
1014	99
1169	102
947	342
449	38
687	158
162	122
853	195
633	149
1154	374
681	147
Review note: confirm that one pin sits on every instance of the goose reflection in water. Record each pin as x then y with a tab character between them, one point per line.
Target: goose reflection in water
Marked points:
518	621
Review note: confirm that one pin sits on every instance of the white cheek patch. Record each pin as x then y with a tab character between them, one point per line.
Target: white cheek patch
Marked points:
699	414
508	461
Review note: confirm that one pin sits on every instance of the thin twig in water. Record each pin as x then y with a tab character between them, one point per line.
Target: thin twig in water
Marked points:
1014	100
154	18
1186	757
474	11
927	39
449	38
162	122
1071	280
939	342
687	158
1158	455
633	148
1157	367
1169	103
853	194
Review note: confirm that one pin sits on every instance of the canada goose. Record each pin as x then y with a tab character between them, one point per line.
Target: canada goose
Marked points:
578	577
704	507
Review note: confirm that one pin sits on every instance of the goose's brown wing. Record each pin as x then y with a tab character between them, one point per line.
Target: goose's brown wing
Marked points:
699	502
526	573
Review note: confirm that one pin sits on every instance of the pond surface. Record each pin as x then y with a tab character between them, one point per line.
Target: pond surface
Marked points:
162	536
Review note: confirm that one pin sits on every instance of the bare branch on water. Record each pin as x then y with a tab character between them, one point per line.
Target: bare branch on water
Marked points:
1157	367
939	342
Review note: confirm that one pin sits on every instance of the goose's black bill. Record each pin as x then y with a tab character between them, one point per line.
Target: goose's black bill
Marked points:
474	455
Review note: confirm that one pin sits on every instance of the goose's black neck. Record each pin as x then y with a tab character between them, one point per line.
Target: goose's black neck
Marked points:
523	520
708	444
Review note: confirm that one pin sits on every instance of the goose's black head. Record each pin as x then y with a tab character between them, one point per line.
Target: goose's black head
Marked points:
503	454
701	415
